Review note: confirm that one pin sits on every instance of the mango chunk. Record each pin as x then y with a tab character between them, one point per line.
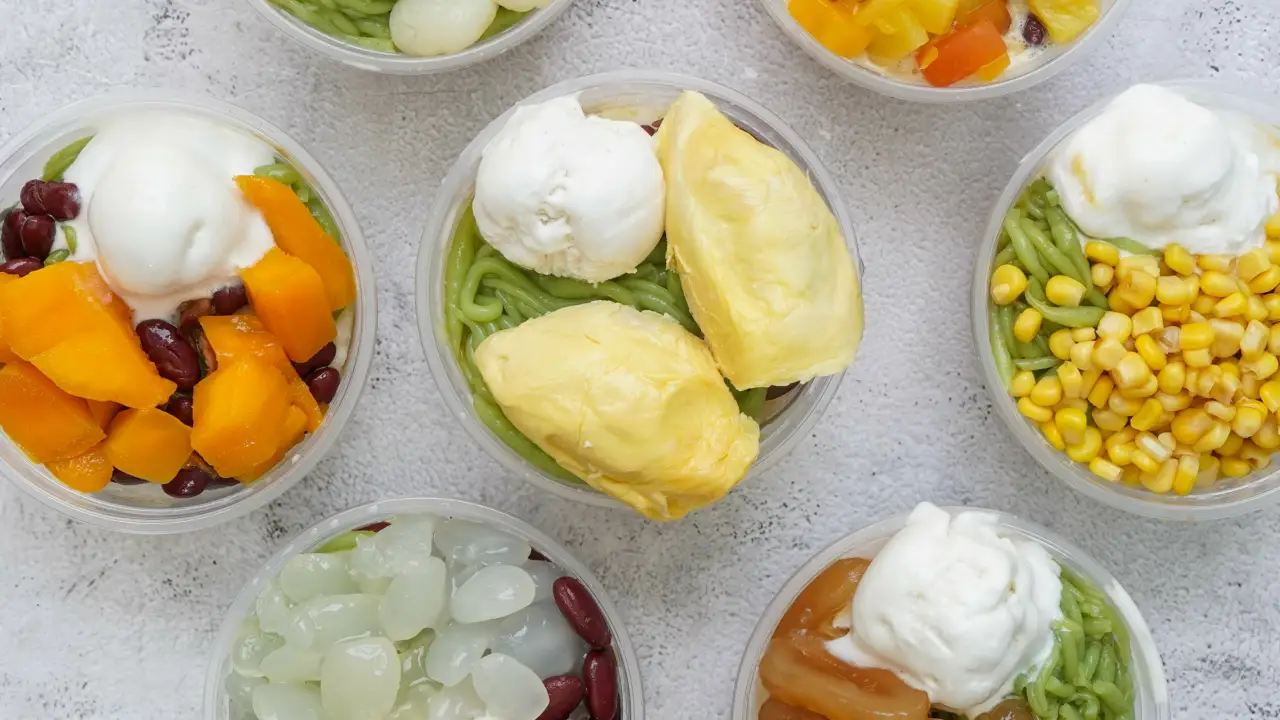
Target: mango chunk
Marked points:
239	411
44	421
86	473
301	397
291	433
289	298
55	303
103	364
239	337
148	443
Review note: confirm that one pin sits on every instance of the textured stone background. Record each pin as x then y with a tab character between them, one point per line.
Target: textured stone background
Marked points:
98	625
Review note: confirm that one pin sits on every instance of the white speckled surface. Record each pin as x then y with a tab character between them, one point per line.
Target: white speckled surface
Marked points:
97	625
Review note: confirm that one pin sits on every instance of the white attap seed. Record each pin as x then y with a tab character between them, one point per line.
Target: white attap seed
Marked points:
292	664
459	702
287	701
455	649
310	574
509	690
414	600
324	620
541	639
359	679
273	609
406	543
544	575
493	592
469	543
251	646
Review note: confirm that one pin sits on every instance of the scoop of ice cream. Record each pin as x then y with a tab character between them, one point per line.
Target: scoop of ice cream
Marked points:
629	401
765	269
563	193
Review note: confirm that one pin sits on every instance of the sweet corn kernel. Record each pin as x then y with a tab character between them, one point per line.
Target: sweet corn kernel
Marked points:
1226	337
1217	284
1197	358
1082	355
1119	304
1151	446
1076	403
1022	383
1064	291
1084	334
1190	425
1192	381
1227	389
1007	284
1268	436
1172	377
1273	340
1145	390
1249	417
1252	263
1147	320
1272	302
1234	467
1144	264
1150	352
1144	462
1266	281
1219	410
1137	289
1203	305
1071	423
1116	326
1195	336
1146	418
1232	305
1051	434
1130	372
1270	395
1071	380
1161	481
1101	391
1256	456
1263	365
1109	421
1128	407
1102	252
1121	453
1207	380
1213	438
1272	244
1033	411
1088	378
1173	290
1088	447
1231	446
1027	326
1208	475
1184	479
1167	440
1216	263
1108	354
1250	385
1105	470
1102	276
1255	339
1060	344
1174	314
1174	403
1257	309
1179	260
1047	392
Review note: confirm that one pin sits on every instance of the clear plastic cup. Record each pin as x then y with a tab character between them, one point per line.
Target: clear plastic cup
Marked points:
630	691
1152	701
399	64
1227	498
641	96
144	509
1048	63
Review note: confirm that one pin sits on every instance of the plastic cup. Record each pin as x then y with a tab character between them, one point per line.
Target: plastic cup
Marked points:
144	509
641	96
1152	694
630	692
1048	63
1226	498
400	64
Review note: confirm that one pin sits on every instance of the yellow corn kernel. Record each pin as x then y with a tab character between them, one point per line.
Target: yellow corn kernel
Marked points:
1268	436
1128	407
1266	281
1248	418
1034	412
1130	372
1109	421
1195	336
1229	368
1207	380
1147	320
1217	284
1161	481
1197	358
1232	305
1084	334
1234	467
1146	418
1144	264
1226	337
1007	284
1255	339
1051	434
1152	447
1252	263
1108	354
1231	446
1145	390
1137	289
1179	260
1150	352
1105	470
1027	326
1203	305
1047	392
1216	263
1184	479
1273	340
1064	291
1070	379
1102	252
1174	314
1213	438
1227	389
1263	365
1190	425
1272	302
1082	355
1172	377
1192	380
1077	403
1174	403
1273	243
1119	304
1173	290
1257	309
1102	276
1022	383
1208	475
1060	343
1088	447
1223	412
1071	423
1256	456
1101	391
1121	453
1250	386
1116	326
1270	395
1088	378
1144	462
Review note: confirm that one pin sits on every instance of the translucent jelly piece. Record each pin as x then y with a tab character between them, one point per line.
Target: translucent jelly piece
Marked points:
359	679
251	646
414	600
406	544
825	598
273	609
287	701
544	574
459	702
240	693
413	661
310	574
292	664
471	544
366	560
494	592
415	703
509	690
322	621
455	649
540	638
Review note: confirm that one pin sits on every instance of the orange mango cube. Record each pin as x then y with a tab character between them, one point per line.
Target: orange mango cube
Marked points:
289	298
85	473
291	433
239	337
301	397
44	421
102	364
239	411
148	443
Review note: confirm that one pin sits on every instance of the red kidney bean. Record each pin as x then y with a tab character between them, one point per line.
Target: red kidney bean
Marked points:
189	482
21	266
317	361
600	671
582	612
9	239
36	232
181	407
191	311
1034	31
376	527
227	300
123	478
174	358
323	384
566	693
59	199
